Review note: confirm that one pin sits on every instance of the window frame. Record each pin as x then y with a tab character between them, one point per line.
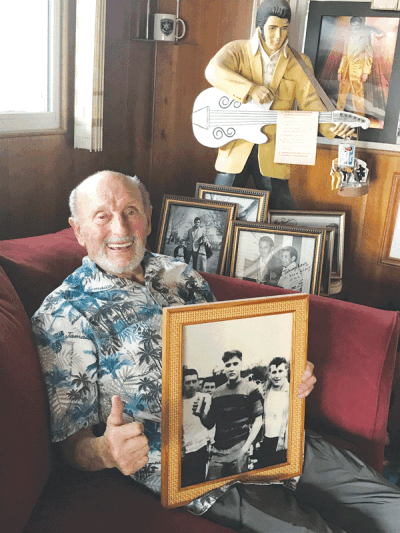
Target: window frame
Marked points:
55	121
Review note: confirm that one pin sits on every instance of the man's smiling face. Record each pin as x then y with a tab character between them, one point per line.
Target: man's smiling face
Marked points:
113	225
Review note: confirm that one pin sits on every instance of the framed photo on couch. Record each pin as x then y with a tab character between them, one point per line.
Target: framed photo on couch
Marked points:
251	350
252	203
286	257
196	231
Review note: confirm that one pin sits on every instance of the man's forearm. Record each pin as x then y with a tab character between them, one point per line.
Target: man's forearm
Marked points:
255	428
84	451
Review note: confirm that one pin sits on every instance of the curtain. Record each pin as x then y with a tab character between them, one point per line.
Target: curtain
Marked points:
89	74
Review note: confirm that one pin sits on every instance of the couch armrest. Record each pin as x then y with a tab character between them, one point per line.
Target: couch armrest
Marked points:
24	444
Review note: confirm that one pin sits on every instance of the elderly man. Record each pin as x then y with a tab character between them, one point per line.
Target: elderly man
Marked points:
265	70
99	341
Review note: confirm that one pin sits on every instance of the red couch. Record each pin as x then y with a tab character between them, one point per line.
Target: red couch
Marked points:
353	348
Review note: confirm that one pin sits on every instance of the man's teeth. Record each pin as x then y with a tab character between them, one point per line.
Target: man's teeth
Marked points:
124	245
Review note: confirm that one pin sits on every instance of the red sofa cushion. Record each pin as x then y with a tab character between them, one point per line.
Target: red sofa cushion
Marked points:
37	265
82	502
24	442
353	348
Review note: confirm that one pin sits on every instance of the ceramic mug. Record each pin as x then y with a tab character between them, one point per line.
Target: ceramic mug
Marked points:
165	27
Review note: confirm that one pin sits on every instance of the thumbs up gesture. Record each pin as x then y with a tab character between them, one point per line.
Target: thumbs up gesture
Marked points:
126	447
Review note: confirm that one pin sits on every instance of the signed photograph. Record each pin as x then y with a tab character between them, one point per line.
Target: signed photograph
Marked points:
290	258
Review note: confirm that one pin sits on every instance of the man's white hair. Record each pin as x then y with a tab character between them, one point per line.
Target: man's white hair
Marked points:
92	180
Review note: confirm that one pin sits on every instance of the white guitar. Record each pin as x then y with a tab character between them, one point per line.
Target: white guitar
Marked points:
217	119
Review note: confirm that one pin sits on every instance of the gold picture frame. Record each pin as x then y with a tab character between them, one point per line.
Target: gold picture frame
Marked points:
390	250
277	255
252	203
207	252
263	329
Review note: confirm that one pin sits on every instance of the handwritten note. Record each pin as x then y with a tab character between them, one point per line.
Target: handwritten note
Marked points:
296	137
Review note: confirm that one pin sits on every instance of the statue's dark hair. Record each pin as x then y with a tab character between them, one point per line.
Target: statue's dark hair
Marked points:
272	8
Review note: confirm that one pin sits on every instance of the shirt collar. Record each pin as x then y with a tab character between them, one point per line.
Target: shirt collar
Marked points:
256	45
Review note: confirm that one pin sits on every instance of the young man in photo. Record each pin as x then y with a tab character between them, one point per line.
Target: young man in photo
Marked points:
195	436
236	412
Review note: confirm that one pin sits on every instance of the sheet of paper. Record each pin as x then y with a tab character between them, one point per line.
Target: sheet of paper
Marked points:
385	4
296	137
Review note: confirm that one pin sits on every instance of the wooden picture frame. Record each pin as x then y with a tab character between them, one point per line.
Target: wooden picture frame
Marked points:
206	252
253	203
390	250
322	219
199	336
293	257
324	45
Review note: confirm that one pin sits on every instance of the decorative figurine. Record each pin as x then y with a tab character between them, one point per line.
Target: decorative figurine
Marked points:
264	70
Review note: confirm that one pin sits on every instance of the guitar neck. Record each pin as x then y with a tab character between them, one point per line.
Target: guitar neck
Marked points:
263	118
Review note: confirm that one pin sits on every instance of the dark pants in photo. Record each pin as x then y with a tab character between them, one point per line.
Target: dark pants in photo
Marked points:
267	455
227	462
193	467
194	255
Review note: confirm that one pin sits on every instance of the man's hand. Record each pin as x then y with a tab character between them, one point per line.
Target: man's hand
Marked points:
308	381
125	446
262	94
342	130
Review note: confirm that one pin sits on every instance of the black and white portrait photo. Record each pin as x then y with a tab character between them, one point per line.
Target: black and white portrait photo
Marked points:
289	259
195	232
317	219
235	400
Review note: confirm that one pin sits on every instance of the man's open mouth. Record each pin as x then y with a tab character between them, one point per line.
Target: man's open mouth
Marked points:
120	246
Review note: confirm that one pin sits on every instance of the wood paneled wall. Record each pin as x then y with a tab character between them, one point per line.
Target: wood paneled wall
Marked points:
149	92
365	279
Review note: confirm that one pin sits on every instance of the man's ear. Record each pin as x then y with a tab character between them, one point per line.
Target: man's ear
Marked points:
77	230
148	216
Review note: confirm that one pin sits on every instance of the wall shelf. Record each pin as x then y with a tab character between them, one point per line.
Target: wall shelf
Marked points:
142	22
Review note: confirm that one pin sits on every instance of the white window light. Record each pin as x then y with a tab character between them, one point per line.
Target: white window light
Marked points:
30	59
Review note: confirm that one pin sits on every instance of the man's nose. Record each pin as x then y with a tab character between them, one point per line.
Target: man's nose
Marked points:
119	226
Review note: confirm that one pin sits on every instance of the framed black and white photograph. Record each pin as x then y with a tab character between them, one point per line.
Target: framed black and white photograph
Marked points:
252	203
317	219
338	32
196	231
286	257
219	359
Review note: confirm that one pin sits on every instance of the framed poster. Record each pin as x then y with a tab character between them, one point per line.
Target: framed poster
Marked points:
254	349
196	231
355	52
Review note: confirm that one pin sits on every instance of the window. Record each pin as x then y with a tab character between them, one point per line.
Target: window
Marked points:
30	52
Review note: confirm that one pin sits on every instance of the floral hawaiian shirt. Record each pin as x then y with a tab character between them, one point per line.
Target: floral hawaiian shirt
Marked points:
98	335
